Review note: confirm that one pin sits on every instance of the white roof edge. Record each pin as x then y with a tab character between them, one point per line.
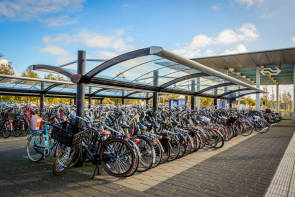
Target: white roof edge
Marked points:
195	65
33	79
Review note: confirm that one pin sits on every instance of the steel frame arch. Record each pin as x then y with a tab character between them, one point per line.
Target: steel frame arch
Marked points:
183	78
237	90
215	86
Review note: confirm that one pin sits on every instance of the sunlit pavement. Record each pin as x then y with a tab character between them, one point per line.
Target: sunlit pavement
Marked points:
245	166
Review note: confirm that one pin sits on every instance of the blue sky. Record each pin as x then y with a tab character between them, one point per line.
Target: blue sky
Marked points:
51	31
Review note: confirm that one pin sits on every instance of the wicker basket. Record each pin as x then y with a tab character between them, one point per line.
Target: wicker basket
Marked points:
67	138
9	116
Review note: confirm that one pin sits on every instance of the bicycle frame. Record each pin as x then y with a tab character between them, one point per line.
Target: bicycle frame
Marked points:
44	150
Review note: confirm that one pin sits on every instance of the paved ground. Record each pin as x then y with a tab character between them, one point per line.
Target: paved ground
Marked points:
244	167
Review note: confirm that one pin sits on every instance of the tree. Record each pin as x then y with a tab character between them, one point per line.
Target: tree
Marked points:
205	102
54	77
244	100
30	73
5	67
286	100
50	76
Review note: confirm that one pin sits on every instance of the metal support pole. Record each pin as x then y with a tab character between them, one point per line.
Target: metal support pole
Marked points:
101	101
257	86
215	102
225	87
146	98
42	97
198	89
123	100
193	97
155	94
80	96
215	99
277	99
294	93
89	98
230	104
239	99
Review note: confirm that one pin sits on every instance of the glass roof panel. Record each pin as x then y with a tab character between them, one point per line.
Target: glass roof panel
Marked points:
239	93
141	95
140	70
20	84
64	88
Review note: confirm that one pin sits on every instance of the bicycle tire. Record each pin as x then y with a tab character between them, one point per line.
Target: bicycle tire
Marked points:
131	159
39	154
63	161
149	151
6	130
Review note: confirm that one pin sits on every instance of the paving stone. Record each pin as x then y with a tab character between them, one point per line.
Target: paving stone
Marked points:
244	167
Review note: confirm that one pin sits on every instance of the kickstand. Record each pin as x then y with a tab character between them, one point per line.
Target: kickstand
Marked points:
94	173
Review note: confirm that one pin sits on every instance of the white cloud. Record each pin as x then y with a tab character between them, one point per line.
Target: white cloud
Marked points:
216	7
55	50
3	61
209	52
245	33
109	45
61	21
265	16
46	39
125	5
227	36
250	3
95	40
293	39
248	32
62	54
116	43
200	41
106	54
22	10
239	49
187	52
66	59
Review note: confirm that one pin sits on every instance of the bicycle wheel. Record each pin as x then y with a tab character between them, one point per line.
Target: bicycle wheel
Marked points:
17	128
117	157
182	146
265	127
63	160
147	154
219	140
158	151
6	129
76	156
190	144
174	146
167	151
137	158
35	148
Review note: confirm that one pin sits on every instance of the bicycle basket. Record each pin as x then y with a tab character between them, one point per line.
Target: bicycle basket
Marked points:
66	138
10	116
75	125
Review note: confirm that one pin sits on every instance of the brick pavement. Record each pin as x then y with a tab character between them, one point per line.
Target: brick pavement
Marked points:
283	183
245	168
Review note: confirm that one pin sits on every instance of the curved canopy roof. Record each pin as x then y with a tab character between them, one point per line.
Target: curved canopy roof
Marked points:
155	69
135	74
